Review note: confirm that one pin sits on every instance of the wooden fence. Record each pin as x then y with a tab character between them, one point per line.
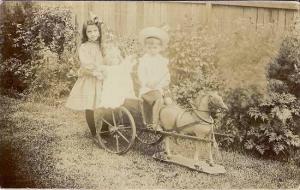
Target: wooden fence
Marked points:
131	16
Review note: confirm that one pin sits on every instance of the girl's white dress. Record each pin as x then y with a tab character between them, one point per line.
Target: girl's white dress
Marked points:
117	85
86	93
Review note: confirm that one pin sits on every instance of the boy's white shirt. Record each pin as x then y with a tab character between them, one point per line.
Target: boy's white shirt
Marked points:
153	69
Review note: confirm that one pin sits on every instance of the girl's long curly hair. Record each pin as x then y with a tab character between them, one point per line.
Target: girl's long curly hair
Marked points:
91	22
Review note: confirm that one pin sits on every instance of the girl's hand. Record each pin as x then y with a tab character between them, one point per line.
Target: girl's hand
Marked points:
99	75
151	85
84	72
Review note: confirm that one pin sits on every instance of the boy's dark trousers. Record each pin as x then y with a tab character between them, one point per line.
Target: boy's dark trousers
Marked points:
152	103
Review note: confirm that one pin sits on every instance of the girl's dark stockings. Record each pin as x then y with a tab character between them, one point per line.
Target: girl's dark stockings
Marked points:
89	114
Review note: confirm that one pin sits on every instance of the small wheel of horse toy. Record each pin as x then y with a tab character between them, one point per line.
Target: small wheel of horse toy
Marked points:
147	135
117	131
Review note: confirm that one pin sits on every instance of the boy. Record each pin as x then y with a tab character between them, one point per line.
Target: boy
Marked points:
153	73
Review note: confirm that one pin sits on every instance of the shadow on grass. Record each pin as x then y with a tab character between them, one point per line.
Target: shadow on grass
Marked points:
10	157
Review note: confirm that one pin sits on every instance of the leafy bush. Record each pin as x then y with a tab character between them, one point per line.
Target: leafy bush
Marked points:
244	52
14	56
192	62
202	57
236	121
38	46
55	62
269	125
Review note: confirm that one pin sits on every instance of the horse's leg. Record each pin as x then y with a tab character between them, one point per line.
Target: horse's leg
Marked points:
167	146
203	148
196	155
210	158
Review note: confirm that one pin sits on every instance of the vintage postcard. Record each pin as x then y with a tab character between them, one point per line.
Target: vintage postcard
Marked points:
150	94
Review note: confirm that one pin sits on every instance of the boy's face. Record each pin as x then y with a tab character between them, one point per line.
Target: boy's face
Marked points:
92	32
153	45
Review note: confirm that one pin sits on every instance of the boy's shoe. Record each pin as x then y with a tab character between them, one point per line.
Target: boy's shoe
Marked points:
156	127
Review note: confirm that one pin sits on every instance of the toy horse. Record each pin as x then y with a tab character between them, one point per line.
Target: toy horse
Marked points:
197	122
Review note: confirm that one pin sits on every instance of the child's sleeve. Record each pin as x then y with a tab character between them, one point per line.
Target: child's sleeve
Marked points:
141	72
167	78
86	60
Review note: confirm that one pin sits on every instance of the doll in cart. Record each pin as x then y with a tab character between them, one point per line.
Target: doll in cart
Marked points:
117	85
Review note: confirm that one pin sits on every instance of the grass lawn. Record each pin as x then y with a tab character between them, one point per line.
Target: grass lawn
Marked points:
46	146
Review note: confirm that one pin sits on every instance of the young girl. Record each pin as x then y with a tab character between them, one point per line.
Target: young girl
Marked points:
86	93
117	85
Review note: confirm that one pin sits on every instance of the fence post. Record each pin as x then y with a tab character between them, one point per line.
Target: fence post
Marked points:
208	10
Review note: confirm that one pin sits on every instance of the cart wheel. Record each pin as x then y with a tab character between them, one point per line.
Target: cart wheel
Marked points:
117	133
147	135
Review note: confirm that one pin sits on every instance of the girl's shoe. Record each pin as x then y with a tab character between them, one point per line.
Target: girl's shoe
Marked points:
95	139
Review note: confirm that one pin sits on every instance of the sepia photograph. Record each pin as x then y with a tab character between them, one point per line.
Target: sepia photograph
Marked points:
150	94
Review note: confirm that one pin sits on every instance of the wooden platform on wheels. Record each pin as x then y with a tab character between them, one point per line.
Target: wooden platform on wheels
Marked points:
200	166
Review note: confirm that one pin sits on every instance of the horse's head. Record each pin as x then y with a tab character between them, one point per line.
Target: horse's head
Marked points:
210	98
217	101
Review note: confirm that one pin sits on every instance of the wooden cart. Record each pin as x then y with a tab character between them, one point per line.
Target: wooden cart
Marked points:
118	129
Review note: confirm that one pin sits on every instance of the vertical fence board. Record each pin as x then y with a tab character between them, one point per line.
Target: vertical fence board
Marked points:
250	14
281	19
130	17
260	17
230	15
164	13
289	16
172	14
216	17
131	27
194	13
140	15
202	12
274	16
267	16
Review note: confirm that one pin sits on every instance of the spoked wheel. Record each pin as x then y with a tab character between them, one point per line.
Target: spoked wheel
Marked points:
147	135
117	131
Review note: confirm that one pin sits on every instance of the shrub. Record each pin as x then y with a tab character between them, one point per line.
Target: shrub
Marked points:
202	57
38	46
55	62
269	125
192	62
15	55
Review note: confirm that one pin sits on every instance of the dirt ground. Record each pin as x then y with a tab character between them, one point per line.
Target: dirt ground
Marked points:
46	146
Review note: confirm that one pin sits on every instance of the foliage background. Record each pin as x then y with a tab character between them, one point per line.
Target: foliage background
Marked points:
37	50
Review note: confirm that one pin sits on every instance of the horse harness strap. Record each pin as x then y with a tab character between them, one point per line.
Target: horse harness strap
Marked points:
198	116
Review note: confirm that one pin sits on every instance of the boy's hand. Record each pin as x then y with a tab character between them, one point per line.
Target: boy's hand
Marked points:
168	101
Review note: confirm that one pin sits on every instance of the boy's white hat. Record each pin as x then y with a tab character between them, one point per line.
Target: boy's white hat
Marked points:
156	33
